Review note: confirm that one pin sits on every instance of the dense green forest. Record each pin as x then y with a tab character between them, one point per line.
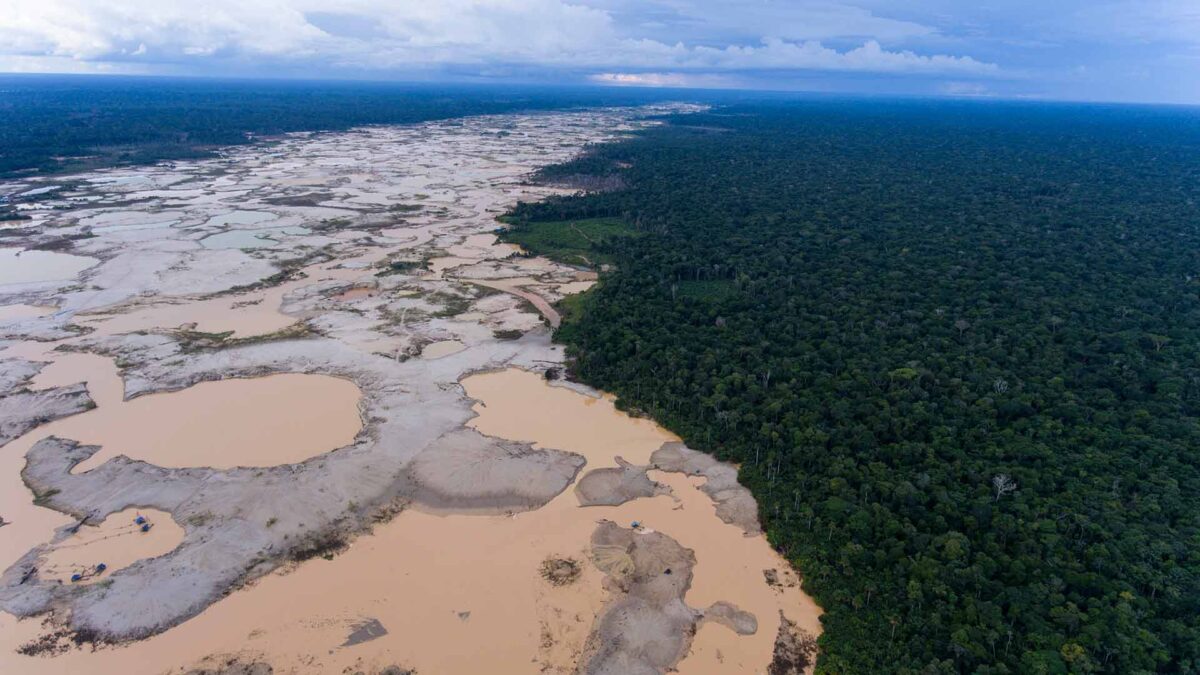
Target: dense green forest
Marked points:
956	349
66	123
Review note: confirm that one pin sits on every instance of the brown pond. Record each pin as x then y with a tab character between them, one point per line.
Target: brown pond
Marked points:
117	542
14	312
436	350
462	594
264	421
357	293
22	267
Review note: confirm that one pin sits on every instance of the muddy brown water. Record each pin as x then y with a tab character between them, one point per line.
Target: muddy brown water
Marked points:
439	265
573	287
258	315
356	293
262	421
116	542
23	267
265	421
243	315
14	312
462	594
437	350
522	406
30	525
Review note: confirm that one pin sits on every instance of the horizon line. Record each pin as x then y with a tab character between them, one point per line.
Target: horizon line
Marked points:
932	96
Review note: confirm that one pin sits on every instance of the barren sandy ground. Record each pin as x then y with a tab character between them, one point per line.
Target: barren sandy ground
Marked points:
298	363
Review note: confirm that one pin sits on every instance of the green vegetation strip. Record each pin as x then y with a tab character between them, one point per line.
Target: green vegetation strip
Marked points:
581	242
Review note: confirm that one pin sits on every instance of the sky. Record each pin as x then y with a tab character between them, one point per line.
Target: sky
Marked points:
1095	50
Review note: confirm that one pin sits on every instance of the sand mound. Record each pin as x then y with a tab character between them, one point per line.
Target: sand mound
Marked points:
561	571
234	667
727	614
615	561
465	471
735	503
615	486
647	628
20	412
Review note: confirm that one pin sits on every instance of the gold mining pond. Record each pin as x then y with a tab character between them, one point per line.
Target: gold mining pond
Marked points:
261	421
459	595
97	550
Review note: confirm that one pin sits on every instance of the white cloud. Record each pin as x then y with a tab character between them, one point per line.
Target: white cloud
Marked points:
332	36
682	80
870	57
797	20
969	89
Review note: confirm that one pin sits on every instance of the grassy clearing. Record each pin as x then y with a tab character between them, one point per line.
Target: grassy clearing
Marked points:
452	305
573	306
574	242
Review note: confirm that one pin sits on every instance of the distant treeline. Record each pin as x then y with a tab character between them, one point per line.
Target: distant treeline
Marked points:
62	123
955	348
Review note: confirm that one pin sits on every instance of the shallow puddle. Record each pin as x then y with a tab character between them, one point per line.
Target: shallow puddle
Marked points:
240	239
124	219
573	287
439	265
240	218
437	350
243	316
482	246
16	312
357	293
115	543
23	267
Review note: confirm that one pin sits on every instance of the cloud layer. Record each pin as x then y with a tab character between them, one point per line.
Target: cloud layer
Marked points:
1103	49
375	35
